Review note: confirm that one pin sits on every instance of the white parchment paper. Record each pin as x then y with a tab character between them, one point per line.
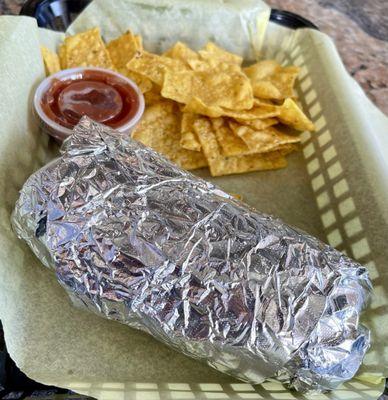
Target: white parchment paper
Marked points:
336	189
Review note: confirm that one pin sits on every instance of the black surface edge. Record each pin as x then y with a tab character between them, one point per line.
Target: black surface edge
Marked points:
290	19
281	17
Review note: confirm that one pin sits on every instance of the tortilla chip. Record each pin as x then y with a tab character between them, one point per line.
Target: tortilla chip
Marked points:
285	80
181	52
261	70
153	95
212	51
189	138
145	85
230	144
160	129
189	141
62	56
266	90
230	90
220	165
259	102
272	81
213	65
123	49
139	41
236	196
290	114
257	124
154	67
179	86
50	60
86	49
197	106
263	111
265	140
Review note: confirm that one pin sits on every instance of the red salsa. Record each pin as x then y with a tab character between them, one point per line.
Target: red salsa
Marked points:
101	96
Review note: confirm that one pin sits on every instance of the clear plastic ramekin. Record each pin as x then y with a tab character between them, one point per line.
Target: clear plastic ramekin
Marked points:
59	132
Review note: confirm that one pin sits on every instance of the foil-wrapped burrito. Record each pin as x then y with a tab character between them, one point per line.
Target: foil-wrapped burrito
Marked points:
134	238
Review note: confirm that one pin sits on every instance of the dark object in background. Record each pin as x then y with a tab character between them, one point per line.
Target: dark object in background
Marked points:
14	384
290	20
58	14
54	14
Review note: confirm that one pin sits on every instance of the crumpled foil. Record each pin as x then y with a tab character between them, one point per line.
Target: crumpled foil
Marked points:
136	239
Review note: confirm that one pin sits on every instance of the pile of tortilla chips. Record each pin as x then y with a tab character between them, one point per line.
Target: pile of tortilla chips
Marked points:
202	108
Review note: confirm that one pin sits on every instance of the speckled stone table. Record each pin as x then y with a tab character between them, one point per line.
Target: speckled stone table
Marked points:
358	27
360	31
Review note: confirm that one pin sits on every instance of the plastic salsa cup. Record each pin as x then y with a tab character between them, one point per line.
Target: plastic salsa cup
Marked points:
103	95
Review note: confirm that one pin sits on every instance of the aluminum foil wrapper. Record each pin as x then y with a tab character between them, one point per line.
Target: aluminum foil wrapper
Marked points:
136	239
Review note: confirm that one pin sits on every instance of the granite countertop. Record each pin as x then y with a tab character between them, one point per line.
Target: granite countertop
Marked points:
360	30
358	27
